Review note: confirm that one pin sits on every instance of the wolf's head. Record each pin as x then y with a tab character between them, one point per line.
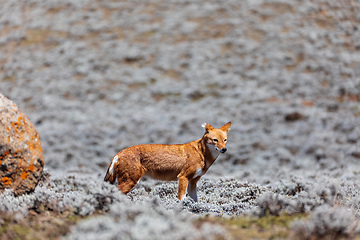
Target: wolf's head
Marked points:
216	137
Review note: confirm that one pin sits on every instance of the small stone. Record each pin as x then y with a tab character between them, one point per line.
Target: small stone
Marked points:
21	157
294	116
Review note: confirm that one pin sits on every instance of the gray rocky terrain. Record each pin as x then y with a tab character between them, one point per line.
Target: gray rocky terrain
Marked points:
95	77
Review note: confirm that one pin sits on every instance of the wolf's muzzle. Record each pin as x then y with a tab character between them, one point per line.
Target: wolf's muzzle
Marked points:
223	150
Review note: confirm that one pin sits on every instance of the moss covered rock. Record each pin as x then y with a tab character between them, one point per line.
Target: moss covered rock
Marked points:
21	157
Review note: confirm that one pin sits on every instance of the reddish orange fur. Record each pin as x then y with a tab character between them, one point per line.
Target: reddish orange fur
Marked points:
183	162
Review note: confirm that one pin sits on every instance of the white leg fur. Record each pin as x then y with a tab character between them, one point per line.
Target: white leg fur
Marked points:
192	192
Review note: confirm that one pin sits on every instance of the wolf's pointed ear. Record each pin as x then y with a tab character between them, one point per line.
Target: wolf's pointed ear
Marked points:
226	127
207	127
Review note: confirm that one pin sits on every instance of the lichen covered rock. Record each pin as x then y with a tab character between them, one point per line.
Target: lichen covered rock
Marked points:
21	157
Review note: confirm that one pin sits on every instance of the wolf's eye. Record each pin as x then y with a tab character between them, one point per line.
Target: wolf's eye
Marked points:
225	140
215	140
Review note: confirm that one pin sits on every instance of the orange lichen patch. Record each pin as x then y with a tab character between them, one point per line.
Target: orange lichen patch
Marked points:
14	125
32	145
21	119
24	175
6	180
31	168
35	145
17	125
6	152
4	155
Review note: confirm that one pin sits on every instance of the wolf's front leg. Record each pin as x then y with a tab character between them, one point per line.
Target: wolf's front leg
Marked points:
192	188
183	182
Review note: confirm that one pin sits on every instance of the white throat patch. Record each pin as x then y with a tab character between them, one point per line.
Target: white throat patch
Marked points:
213	151
199	172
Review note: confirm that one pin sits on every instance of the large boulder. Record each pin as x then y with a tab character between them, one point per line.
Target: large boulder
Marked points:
21	157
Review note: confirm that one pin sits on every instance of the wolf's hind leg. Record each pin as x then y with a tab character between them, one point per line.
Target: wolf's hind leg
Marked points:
183	183
127	181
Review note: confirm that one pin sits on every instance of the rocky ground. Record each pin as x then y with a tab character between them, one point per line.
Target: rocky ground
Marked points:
95	77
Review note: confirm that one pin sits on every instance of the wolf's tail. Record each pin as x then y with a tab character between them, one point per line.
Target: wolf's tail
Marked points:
109	177
110	174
